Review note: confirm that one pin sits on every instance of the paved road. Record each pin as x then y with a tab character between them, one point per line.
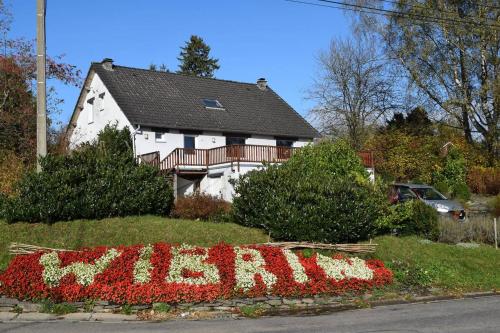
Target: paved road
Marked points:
457	316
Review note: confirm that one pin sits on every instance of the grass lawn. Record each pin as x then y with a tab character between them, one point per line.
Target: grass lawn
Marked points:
123	231
449	266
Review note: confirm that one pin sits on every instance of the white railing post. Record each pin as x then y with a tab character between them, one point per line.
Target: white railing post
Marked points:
495	231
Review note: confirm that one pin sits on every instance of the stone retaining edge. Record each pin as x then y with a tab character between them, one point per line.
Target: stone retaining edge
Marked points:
15	310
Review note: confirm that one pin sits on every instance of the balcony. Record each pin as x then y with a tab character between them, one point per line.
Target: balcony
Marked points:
233	155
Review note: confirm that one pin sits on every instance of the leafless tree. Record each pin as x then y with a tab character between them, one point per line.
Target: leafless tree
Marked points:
353	91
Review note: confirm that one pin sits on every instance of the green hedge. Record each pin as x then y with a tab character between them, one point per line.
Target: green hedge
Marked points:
412	217
99	180
321	194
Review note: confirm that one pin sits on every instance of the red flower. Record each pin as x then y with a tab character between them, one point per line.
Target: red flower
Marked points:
24	277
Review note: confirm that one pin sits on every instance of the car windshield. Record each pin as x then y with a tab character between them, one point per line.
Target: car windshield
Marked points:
404	193
428	193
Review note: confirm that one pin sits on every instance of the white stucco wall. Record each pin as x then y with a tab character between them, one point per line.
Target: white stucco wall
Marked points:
111	113
261	140
217	181
301	143
146	142
209	140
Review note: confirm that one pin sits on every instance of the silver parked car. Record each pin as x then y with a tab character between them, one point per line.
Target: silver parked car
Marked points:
401	192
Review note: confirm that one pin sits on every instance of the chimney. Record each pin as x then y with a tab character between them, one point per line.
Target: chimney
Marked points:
262	83
107	64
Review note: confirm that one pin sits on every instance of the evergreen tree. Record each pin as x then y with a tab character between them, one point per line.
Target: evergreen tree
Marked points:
161	68
416	122
195	59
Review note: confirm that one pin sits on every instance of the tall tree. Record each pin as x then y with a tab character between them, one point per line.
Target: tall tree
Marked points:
353	91
195	59
416	122
451	52
18	91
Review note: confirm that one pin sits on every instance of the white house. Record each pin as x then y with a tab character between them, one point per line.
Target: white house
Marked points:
201	131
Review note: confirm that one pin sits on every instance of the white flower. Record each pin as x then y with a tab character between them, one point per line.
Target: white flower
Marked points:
143	266
184	258
85	273
245	271
299	273
340	269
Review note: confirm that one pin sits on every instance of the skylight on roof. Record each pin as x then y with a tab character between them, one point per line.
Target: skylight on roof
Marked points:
212	104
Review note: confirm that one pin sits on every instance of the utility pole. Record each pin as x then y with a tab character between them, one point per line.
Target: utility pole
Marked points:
41	103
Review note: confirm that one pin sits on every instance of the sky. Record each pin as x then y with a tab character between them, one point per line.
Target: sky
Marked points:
275	39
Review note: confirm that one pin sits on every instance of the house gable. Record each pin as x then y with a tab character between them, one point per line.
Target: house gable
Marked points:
95	108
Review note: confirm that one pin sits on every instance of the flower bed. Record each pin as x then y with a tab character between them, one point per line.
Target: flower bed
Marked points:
174	274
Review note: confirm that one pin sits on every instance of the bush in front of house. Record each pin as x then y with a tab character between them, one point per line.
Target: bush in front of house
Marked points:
412	217
321	194
99	180
201	206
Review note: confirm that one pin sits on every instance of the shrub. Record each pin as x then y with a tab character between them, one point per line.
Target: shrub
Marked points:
97	181
400	156
477	229
11	170
321	194
410	218
201	206
3	204
410	276
442	187
483	180
453	175
461	192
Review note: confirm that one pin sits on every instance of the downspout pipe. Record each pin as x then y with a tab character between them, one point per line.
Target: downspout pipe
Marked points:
134	132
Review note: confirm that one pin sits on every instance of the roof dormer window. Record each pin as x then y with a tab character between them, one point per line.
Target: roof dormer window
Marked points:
213	104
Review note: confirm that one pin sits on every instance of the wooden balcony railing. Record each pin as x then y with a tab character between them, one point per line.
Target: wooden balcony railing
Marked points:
225	154
234	154
150	158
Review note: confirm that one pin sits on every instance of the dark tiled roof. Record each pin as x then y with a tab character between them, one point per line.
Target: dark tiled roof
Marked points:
168	100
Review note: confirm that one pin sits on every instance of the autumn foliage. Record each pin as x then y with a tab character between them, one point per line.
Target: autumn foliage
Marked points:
200	206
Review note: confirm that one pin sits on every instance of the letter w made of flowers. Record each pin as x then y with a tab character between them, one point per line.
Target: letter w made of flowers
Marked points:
85	273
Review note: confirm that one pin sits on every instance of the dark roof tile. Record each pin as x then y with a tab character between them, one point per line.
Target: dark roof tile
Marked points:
168	100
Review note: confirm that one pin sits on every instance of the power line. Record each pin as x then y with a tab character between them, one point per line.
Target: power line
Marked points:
395	12
388	13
